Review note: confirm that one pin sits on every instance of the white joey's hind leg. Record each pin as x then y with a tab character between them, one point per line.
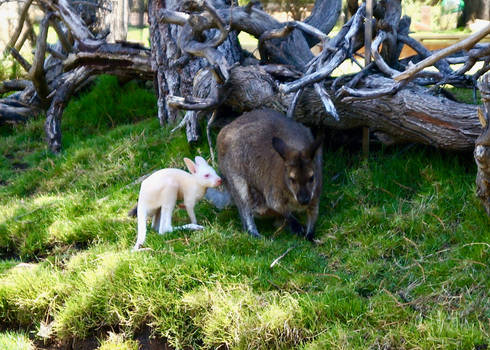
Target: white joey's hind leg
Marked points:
170	198
156	220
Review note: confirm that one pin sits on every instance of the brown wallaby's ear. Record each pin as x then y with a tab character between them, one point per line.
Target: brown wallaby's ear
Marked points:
190	165
280	147
315	146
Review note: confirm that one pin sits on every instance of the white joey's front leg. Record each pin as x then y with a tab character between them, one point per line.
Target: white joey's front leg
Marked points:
189	206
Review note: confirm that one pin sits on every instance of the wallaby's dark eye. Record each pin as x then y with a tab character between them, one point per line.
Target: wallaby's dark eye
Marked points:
206	176
292	179
310	179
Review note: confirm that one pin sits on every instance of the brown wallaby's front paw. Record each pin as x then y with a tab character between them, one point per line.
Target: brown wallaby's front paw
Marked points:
255	234
295	226
310	236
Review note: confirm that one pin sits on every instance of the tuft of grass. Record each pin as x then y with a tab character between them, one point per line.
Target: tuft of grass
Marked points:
117	342
402	259
15	341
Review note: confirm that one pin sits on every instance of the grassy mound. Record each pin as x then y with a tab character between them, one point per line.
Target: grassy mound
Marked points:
403	260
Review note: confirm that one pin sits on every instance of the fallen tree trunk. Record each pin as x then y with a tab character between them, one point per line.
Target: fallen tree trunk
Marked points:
412	114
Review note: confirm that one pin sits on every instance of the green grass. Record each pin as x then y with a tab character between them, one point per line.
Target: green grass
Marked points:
15	341
139	35
402	262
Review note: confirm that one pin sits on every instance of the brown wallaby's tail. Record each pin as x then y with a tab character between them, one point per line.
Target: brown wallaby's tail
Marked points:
133	212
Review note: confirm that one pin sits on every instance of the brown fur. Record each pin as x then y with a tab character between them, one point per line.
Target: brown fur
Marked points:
271	163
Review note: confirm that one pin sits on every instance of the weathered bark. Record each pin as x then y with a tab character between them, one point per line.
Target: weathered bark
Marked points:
482	146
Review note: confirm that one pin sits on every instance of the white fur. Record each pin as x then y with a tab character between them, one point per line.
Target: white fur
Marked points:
159	193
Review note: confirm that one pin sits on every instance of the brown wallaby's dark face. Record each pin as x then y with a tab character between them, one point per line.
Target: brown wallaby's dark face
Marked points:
299	175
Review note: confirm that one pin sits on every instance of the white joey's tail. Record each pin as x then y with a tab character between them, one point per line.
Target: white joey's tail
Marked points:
132	213
141	214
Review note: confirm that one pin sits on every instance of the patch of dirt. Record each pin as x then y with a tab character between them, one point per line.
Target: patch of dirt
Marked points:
146	342
481	346
20	165
144	338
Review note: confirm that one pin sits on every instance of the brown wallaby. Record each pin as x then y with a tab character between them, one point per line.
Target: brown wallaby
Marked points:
271	164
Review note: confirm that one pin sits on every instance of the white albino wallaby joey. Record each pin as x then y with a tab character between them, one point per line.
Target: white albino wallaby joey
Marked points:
271	165
159	193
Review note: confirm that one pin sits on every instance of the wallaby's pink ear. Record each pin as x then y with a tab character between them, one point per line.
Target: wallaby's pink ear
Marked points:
200	161
190	165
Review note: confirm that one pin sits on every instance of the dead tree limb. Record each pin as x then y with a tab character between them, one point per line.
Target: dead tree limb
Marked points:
19	58
429	61
20	25
14	85
55	77
344	48
37	73
195	60
52	126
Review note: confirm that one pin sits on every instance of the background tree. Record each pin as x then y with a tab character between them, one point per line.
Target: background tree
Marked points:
118	20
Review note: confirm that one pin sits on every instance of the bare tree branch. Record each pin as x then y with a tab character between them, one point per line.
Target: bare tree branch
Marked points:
14	85
19	58
345	49
382	65
347	94
76	26
20	25
472	58
327	102
52	126
37	73
442	64
429	61
64	38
